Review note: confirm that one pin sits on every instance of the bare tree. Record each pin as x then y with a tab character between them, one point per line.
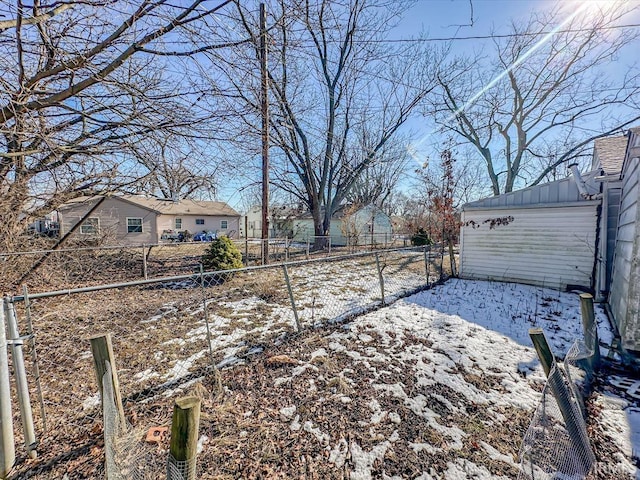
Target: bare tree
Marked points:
377	183
173	167
338	95
80	84
540	98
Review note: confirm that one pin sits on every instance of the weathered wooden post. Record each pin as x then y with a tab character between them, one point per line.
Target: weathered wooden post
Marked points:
562	394
380	277
308	246
7	440
542	348
590	329
102	350
183	447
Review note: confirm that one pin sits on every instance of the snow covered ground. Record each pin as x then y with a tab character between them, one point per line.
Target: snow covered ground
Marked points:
439	385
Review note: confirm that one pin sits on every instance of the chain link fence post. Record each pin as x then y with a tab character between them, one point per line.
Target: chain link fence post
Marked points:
291	298
380	277
426	262
34	356
22	385
7	441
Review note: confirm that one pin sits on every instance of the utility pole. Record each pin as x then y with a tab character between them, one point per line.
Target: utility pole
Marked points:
265	133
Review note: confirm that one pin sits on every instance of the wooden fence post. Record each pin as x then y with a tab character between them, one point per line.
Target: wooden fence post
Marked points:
102	350
542	348
184	435
563	396
590	329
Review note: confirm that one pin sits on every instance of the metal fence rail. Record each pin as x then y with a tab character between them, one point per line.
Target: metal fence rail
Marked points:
75	267
168	332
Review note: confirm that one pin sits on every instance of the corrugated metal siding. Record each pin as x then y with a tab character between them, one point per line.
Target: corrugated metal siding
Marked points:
560	191
624	296
551	246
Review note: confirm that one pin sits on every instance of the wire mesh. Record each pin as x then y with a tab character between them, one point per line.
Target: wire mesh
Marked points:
556	444
126	457
169	333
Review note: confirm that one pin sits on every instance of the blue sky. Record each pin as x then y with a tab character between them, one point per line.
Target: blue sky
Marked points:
453	18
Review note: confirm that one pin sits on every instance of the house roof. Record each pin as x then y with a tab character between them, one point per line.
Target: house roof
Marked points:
610	152
169	207
560	192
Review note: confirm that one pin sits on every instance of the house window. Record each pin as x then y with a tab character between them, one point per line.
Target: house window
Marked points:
199	221
90	226
178	224
223	224
134	225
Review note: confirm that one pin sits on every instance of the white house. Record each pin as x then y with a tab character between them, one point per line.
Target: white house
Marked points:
543	235
582	233
364	226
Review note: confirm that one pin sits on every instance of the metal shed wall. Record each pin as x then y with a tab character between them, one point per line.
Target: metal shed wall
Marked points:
624	298
550	245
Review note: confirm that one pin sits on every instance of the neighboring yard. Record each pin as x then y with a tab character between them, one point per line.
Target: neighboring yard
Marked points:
441	384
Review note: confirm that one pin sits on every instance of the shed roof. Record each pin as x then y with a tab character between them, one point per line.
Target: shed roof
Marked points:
563	191
168	206
609	151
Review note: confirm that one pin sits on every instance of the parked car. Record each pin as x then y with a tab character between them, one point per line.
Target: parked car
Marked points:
204	236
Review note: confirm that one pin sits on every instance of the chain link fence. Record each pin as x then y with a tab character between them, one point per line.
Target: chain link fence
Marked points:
170	334
66	268
556	444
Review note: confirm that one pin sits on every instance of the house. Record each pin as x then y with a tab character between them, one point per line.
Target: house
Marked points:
624	296
578	232
137	219
349	226
542	235
559	234
280	221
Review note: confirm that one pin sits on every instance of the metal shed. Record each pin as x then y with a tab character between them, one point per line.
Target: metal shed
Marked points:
624	299
542	235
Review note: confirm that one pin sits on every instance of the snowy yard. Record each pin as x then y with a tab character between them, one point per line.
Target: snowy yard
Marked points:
441	384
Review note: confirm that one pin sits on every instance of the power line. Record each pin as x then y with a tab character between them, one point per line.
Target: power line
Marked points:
487	37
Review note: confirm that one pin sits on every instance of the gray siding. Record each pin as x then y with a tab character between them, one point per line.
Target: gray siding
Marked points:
613	211
560	191
625	294
112	215
551	245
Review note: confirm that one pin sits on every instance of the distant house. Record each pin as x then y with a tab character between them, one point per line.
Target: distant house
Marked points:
137	219
280	221
349	226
